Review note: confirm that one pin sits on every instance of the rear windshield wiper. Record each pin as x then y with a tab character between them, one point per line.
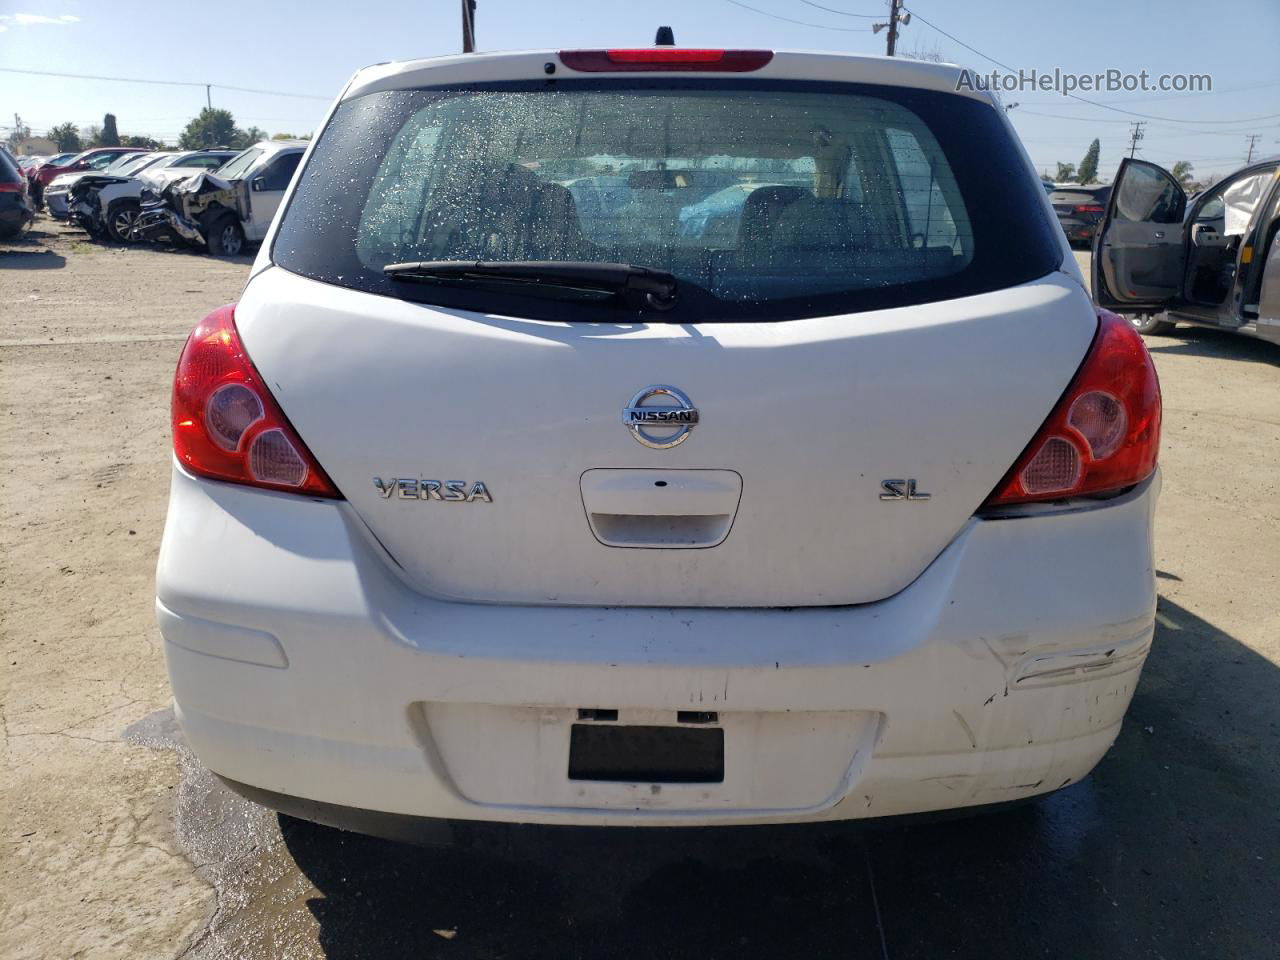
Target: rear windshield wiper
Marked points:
641	287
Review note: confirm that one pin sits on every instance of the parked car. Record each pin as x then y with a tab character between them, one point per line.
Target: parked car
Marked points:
57	195
184	165
845	514
228	208
97	158
16	208
108	204
1213	262
1079	209
31	170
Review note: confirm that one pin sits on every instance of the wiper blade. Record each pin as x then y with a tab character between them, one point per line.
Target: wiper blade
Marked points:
639	286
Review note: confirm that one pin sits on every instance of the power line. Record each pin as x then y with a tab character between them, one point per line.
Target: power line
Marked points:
843	13
1179	96
168	83
802	23
1092	103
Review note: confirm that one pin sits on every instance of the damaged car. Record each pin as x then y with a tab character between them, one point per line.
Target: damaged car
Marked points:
56	189
227	209
1212	260
107	205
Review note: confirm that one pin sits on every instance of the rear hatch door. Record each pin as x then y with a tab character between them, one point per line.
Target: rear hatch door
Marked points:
814	416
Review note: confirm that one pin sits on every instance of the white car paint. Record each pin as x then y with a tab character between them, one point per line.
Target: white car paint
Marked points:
154	177
502	366
158	177
263	203
865	658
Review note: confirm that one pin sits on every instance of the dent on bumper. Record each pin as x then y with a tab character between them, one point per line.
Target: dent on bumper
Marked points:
305	666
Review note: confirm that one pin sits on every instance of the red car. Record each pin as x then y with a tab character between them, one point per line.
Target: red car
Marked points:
94	159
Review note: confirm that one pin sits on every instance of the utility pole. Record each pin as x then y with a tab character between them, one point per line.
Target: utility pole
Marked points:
208	95
896	17
468	26
1135	134
891	43
1253	142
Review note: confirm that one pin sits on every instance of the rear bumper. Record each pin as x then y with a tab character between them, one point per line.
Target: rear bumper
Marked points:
301	665
1078	229
15	212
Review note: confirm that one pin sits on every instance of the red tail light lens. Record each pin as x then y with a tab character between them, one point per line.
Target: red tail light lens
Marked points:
12	186
226	424
1090	208
665	58
1104	434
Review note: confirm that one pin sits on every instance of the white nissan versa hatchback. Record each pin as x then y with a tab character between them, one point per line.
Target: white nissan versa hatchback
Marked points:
659	437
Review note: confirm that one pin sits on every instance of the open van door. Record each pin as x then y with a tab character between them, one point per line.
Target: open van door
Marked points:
1139	255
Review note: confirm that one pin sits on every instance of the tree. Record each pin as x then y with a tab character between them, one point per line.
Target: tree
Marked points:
1088	172
66	136
213	127
92	136
284	136
1182	172
110	136
247	138
1066	171
133	140
928	54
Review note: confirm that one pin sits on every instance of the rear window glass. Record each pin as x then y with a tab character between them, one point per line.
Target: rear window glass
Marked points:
8	169
764	201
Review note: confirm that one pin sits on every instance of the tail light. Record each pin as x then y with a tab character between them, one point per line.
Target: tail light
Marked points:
12	186
1103	435
226	424
665	58
1089	208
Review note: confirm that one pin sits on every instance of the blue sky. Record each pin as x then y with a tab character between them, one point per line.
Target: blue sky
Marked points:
311	48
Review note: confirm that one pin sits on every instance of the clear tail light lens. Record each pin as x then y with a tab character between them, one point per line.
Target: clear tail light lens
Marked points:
226	424
1104	434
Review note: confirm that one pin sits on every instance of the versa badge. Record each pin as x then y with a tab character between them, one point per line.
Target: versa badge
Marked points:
448	491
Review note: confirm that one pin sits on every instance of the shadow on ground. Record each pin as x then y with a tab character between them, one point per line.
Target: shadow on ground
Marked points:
1170	849
32	248
29	250
1207	342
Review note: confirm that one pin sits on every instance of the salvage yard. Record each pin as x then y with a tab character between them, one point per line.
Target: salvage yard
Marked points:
117	844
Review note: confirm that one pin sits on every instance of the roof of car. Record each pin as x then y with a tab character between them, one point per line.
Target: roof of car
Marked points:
275	146
785	65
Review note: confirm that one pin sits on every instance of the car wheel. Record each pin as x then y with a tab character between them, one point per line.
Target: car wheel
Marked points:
121	218
1150	324
226	238
9	230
